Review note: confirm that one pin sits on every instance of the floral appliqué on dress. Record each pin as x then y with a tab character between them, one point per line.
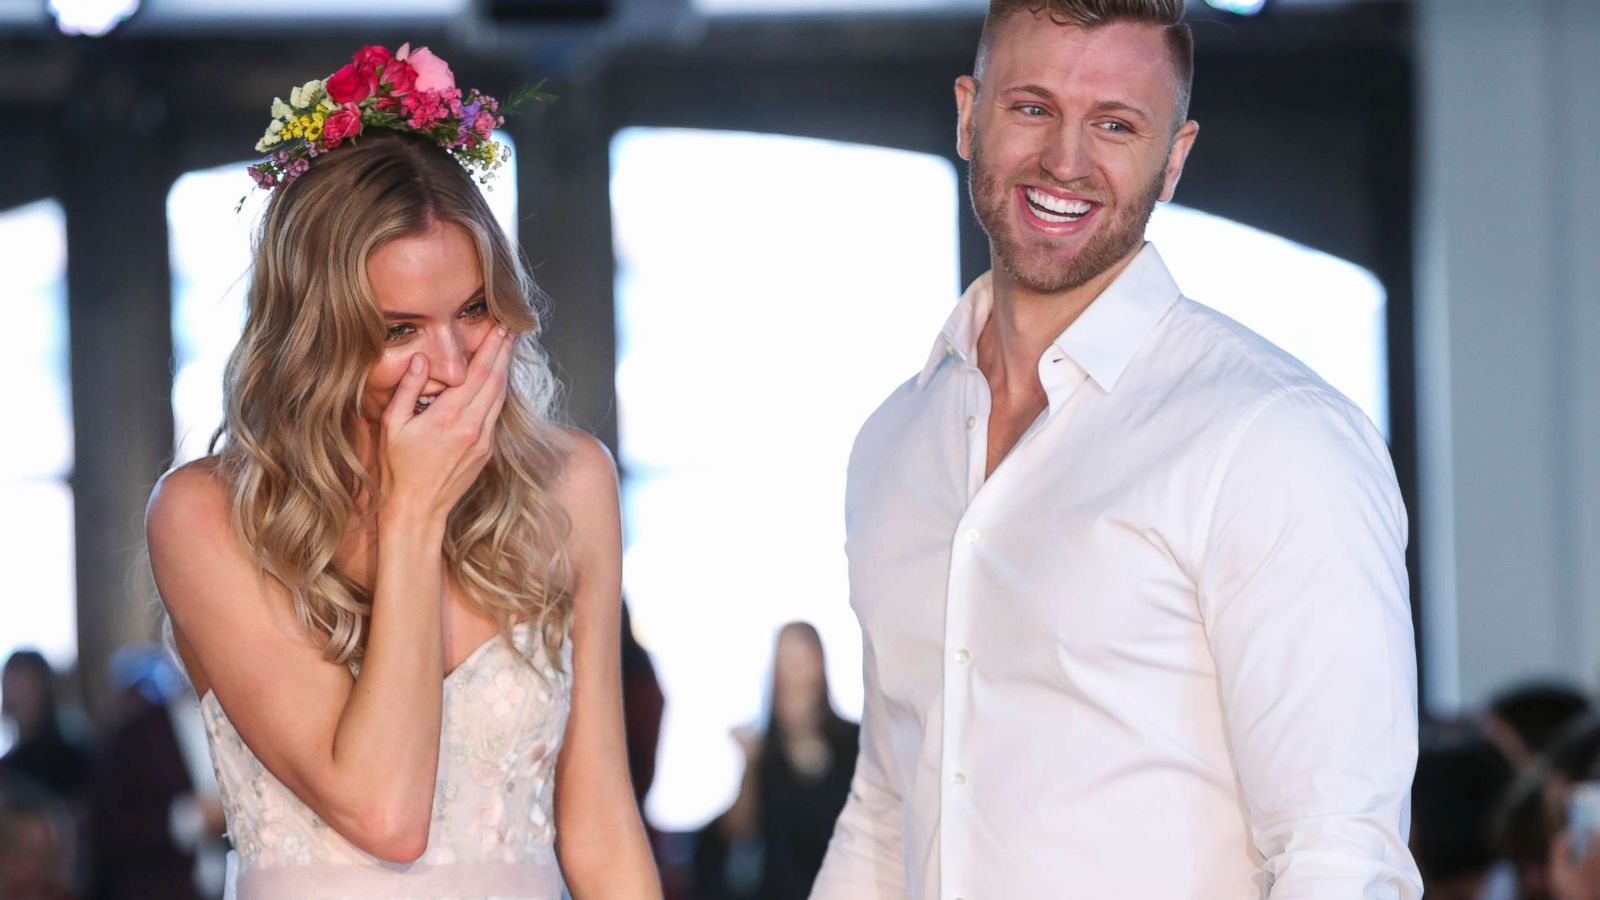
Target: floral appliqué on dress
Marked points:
493	800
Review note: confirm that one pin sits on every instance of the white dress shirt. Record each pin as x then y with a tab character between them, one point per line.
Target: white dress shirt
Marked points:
1164	651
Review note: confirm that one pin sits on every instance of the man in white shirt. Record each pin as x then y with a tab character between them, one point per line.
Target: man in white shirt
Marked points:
1131	580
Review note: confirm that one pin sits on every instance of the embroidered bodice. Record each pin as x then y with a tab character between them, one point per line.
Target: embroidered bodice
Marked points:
493	827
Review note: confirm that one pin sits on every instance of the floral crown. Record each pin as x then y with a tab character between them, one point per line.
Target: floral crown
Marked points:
409	90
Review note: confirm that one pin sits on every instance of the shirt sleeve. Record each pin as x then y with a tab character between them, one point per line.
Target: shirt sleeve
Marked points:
1305	597
865	860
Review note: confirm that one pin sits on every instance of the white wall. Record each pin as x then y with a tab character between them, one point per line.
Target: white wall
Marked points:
1509	342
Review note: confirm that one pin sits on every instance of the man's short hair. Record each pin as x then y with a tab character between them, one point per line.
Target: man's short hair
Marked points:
1092	14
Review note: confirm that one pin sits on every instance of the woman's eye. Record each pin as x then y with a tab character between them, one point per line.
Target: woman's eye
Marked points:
399	330
475	310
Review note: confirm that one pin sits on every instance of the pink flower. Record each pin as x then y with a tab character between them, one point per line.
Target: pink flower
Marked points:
400	76
352	84
345	122
433	73
423	108
484	125
371	57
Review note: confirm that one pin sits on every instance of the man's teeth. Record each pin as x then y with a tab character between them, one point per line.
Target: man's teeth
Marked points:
1057	209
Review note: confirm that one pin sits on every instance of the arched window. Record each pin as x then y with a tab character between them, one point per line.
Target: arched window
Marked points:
771	291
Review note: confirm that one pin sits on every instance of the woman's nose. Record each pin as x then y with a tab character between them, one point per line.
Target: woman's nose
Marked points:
448	356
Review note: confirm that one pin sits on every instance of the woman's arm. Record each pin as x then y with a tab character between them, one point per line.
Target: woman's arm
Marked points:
599	837
362	752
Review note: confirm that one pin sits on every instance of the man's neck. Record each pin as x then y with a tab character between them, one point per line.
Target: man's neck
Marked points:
1022	325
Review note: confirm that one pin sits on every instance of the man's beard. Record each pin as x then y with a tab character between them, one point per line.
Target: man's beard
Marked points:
1043	270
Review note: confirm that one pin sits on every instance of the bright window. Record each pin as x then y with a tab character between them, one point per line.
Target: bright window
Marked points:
36	530
210	251
1328	312
771	291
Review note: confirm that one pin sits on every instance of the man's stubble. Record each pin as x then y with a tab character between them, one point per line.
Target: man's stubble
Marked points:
1113	242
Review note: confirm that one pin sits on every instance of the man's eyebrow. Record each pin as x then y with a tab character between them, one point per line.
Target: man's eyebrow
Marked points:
1034	89
1120	106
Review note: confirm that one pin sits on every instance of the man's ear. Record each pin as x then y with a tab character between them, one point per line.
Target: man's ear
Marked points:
1177	154
966	112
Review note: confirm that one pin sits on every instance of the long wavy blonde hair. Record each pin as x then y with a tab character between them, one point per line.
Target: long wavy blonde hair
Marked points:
293	386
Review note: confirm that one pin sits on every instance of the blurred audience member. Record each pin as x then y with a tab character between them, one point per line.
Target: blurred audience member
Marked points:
1575	853
1453	797
158	818
770	843
642	707
36	844
1529	828
43	751
1523	719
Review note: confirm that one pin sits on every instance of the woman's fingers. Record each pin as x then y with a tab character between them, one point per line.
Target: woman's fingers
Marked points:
479	370
404	400
477	408
485	443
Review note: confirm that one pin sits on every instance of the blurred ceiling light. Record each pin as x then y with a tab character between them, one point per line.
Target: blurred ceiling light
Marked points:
91	17
1239	7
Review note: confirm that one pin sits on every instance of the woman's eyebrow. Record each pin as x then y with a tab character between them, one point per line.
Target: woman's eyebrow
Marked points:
478	294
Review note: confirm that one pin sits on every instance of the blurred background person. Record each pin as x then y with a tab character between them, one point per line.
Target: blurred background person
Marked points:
36	844
642	706
43	751
769	844
1460	777
156	811
1522	719
1528	826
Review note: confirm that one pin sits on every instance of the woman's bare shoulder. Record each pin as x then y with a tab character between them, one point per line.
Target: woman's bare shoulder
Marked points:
188	492
193	495
589	473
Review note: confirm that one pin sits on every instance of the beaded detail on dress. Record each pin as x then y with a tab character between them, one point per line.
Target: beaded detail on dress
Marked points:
493	800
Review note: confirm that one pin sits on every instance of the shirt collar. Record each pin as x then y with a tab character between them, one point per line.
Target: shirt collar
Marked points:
959	336
1102	341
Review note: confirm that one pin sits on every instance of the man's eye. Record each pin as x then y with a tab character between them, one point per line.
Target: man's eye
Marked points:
399	330
1116	127
1031	110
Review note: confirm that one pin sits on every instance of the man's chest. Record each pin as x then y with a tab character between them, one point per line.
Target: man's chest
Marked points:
1075	555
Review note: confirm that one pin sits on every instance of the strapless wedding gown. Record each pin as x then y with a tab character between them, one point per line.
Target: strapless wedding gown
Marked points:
493	829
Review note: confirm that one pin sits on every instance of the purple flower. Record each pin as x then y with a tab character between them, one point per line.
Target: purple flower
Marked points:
263	177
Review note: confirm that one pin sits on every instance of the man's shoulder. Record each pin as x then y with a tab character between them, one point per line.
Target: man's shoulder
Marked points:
1216	357
889	418
1254	391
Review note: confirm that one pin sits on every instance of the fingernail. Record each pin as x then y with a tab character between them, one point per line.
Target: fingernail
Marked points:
502	331
416	364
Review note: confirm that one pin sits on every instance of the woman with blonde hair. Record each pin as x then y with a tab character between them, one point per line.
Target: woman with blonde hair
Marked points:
395	584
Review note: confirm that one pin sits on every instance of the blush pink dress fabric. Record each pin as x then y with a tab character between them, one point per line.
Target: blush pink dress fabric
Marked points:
493	832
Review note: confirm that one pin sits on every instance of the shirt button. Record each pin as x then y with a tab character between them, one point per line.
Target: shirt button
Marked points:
972	423
962	656
958	779
972	535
